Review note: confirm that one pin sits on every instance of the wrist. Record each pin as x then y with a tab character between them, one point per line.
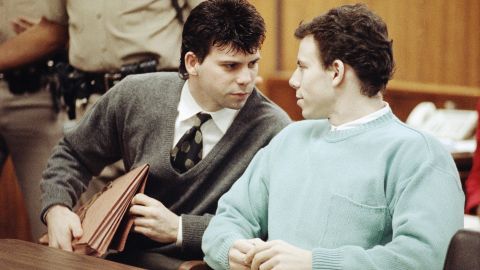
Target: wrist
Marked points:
175	229
54	210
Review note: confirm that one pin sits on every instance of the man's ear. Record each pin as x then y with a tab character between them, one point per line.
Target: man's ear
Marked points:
338	70
191	63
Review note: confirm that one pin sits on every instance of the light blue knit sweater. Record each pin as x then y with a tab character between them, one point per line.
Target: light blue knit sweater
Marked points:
379	196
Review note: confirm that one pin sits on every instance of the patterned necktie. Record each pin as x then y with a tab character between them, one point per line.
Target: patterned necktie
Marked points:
188	150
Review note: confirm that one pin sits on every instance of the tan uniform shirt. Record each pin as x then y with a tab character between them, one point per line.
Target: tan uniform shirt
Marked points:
11	9
105	34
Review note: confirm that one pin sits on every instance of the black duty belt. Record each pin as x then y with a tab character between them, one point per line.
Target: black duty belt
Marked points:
77	84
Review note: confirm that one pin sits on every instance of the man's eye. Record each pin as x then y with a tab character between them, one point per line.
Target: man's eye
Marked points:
252	64
230	66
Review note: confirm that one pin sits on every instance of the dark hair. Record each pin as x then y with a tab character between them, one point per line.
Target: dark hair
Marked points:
357	37
222	23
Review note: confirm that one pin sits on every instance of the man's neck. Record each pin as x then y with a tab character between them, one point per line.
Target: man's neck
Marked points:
350	109
201	97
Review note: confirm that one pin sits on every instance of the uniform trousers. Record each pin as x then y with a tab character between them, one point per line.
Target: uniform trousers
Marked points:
29	129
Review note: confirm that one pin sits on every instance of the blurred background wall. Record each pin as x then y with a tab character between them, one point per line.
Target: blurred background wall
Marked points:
434	41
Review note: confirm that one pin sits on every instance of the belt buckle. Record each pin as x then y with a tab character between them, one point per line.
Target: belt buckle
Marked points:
110	79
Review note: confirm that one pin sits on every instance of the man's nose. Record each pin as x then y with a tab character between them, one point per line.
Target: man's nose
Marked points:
294	82
244	76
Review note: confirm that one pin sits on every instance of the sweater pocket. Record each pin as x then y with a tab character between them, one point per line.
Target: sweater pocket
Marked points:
353	223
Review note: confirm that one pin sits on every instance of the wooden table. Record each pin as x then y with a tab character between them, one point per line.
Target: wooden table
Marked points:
18	254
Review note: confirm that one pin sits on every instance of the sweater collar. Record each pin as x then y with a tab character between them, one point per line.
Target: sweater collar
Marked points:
365	119
338	135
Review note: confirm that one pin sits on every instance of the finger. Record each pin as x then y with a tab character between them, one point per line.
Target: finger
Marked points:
142	222
147	231
142	199
259	245
43	239
16	27
52	242
256	241
261	257
236	256
77	230
243	245
67	246
65	243
268	265
26	21
139	210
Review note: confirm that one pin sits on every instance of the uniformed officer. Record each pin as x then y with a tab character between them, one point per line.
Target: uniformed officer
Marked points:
29	124
110	40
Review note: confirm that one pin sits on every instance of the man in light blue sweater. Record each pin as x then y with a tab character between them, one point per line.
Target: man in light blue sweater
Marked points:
353	188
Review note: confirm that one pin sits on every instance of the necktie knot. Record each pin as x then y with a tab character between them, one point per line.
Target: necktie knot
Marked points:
201	118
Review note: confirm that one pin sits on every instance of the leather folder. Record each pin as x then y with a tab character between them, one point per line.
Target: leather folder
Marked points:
104	220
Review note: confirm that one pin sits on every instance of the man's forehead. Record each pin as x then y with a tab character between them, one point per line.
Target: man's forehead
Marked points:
232	51
308	49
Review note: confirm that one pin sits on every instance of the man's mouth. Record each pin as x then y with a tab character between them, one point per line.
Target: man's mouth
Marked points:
241	94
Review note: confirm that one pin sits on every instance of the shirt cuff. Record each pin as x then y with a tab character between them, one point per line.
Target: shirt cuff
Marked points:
179	233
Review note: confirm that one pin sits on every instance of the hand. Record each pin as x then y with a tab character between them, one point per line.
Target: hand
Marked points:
278	255
63	225
21	24
237	254
153	219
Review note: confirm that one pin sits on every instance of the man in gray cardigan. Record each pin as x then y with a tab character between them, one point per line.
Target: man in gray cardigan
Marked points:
142	119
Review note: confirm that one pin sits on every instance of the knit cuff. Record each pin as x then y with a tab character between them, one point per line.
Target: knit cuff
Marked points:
53	197
218	259
327	259
193	228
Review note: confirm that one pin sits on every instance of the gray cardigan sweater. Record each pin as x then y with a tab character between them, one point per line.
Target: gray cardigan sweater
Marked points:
134	121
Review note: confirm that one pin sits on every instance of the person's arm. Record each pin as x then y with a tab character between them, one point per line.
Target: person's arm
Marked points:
83	152
425	210
32	44
241	214
472	184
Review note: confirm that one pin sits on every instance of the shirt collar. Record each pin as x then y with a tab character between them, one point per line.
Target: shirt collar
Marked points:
188	107
363	120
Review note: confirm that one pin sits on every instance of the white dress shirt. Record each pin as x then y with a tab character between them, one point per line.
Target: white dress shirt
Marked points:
212	130
365	119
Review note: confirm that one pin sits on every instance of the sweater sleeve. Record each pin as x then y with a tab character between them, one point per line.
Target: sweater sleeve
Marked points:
84	151
241	214
193	227
426	211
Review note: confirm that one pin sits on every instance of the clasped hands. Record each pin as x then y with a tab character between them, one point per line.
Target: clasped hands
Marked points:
151	218
254	254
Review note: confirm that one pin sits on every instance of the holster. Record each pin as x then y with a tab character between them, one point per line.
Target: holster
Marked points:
77	84
26	79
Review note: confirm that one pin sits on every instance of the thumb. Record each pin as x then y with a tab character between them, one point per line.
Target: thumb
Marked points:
77	230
